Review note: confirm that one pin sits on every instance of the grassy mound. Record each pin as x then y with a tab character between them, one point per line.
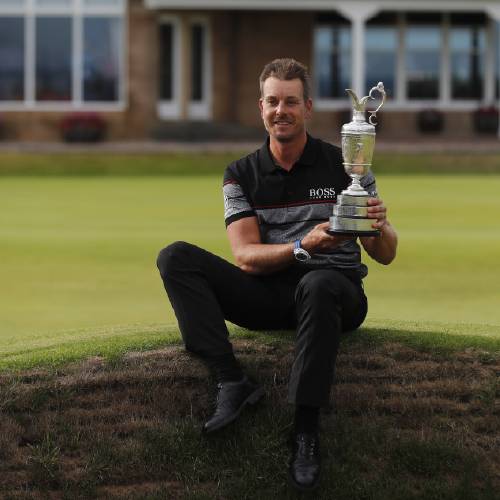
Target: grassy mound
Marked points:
408	424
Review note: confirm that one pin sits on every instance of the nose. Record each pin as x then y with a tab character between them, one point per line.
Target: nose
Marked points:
280	108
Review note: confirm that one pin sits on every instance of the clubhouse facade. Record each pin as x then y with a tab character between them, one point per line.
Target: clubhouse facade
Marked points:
188	69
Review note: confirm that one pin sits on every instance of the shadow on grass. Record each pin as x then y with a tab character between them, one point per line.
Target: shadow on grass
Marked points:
435	340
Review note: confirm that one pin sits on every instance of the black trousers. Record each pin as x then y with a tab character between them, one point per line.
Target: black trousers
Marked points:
205	290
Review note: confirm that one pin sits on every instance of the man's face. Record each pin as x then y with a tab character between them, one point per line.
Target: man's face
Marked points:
283	109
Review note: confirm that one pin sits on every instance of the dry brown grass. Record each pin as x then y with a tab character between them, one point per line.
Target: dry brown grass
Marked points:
101	430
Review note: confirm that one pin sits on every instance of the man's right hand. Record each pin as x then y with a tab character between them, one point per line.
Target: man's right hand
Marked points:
318	240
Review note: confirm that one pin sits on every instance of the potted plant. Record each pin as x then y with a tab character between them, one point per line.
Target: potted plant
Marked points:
486	120
430	121
83	127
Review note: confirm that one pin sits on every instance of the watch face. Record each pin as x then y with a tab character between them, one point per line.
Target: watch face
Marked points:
301	255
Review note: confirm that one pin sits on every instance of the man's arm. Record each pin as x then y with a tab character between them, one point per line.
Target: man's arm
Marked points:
380	248
255	257
250	254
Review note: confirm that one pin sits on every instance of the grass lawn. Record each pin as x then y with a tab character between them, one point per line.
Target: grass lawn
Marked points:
77	254
417	386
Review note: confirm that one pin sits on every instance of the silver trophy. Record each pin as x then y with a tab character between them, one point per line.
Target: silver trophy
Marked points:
350	214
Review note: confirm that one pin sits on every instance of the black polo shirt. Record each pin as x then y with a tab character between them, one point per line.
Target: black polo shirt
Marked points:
288	204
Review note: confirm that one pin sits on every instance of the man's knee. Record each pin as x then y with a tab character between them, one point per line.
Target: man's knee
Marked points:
171	256
319	284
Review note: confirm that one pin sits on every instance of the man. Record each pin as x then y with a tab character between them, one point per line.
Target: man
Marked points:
290	272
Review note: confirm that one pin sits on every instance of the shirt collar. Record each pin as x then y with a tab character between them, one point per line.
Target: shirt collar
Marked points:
308	156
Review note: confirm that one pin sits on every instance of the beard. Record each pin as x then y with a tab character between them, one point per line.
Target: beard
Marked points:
285	139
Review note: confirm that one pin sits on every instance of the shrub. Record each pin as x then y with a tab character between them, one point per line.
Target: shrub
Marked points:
83	127
430	120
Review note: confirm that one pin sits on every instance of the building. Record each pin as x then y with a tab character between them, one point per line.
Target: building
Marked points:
175	69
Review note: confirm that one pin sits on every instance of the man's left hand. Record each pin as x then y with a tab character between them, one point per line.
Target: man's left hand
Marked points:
383	247
377	210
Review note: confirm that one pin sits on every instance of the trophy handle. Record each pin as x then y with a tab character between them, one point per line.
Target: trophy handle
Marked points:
373	114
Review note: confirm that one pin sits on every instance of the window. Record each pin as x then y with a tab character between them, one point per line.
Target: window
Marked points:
467	42
423	61
184	91
101	64
166	35
467	45
53	59
381	50
199	107
198	44
419	56
62	53
332	60
169	105
11	59
497	58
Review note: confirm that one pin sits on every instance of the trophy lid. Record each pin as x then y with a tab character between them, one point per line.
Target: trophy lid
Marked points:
359	105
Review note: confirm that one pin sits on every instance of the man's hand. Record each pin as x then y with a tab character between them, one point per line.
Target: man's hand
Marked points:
318	240
381	248
377	210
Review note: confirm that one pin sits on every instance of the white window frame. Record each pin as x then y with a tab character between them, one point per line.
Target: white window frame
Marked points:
444	102
77	10
171	109
202	110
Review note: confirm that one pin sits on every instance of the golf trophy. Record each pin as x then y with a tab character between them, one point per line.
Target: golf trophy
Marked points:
350	214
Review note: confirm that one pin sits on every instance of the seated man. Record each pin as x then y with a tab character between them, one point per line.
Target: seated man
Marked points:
290	272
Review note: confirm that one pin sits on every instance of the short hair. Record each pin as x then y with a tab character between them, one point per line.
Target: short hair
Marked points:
286	69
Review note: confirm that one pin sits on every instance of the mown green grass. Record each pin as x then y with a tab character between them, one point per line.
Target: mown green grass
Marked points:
112	343
77	254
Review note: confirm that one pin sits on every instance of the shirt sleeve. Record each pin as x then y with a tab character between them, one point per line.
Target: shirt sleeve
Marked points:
369	184
236	204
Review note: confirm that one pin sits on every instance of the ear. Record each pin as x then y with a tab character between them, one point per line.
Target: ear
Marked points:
261	107
309	106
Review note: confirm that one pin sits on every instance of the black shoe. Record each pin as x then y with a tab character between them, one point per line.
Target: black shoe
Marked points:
231	399
305	463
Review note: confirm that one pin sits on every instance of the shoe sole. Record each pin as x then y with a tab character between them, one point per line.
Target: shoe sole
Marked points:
299	487
252	399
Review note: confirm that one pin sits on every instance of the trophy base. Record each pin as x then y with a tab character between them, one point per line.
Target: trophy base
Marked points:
335	232
350	226
350	216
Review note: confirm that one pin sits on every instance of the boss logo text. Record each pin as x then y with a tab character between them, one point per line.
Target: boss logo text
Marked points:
321	193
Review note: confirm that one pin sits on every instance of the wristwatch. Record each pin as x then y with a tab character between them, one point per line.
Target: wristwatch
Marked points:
299	253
